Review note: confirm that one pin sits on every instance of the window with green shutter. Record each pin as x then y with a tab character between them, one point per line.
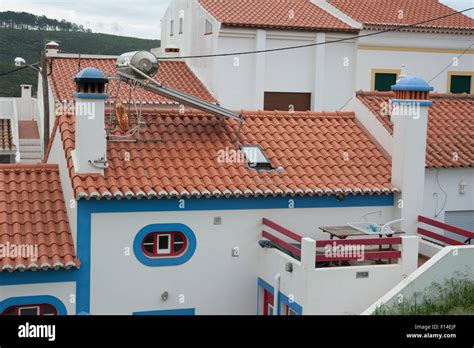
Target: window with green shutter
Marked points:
384	81
460	84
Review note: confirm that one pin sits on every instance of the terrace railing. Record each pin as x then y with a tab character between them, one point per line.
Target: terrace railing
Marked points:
380	254
441	238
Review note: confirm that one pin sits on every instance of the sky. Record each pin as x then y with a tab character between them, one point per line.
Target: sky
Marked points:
137	18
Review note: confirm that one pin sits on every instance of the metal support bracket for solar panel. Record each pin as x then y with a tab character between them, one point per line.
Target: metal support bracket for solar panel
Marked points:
181	97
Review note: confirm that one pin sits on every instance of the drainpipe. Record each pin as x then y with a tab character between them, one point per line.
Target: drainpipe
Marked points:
44	78
276	288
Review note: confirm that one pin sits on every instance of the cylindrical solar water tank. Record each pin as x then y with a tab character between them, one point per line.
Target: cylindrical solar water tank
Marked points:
144	61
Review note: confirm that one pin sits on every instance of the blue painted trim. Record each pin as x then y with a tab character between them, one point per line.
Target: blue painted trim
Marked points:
30	277
281	297
91	95
264	285
293	305
234	203
29	300
164	261
410	102
84	255
182	311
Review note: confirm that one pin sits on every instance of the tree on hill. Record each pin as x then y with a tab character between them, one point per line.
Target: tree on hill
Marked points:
28	43
28	21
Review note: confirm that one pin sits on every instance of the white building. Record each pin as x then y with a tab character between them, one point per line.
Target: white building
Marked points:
309	78
177	216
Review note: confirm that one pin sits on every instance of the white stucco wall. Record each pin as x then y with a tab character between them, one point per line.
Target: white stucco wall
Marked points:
346	66
424	64
57	156
336	290
64	291
193	40
436	202
450	262
212	281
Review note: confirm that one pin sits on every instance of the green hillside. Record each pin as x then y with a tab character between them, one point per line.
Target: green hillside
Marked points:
29	43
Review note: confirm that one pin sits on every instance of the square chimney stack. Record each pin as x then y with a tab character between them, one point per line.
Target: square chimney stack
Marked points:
410	127
90	152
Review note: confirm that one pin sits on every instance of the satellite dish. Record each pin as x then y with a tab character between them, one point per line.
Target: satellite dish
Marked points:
144	61
122	117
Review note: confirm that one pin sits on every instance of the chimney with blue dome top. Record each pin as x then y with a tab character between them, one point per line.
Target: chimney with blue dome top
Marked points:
409	115
90	153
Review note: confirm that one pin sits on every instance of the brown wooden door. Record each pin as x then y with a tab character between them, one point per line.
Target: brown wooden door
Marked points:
282	101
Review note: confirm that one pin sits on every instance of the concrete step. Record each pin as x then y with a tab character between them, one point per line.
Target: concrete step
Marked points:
27	142
29	161
30	148
32	155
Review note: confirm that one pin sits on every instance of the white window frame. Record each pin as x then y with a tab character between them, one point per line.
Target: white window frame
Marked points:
163	251
270	309
38	309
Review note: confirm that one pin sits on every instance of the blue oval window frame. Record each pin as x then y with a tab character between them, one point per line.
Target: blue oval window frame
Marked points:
32	300
164	261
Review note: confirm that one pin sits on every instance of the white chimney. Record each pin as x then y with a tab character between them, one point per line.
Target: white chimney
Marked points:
410	127
52	47
25	92
89	155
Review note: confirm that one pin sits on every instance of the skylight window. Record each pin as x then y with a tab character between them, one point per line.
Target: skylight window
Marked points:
256	157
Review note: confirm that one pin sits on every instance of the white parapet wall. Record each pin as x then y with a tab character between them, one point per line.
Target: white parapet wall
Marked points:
450	262
336	290
429	249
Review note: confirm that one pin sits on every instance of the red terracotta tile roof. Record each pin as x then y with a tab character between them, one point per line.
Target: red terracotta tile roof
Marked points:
33	213
171	73
278	14
310	148
450	128
387	13
6	138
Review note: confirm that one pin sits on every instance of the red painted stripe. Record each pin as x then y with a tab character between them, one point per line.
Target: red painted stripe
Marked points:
439	237
368	255
446	227
372	241
282	230
281	243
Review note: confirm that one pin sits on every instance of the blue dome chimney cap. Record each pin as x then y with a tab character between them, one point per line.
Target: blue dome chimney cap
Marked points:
412	83
91	75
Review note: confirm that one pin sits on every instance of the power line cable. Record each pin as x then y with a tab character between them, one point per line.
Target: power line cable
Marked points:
395	28
12	71
450	64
